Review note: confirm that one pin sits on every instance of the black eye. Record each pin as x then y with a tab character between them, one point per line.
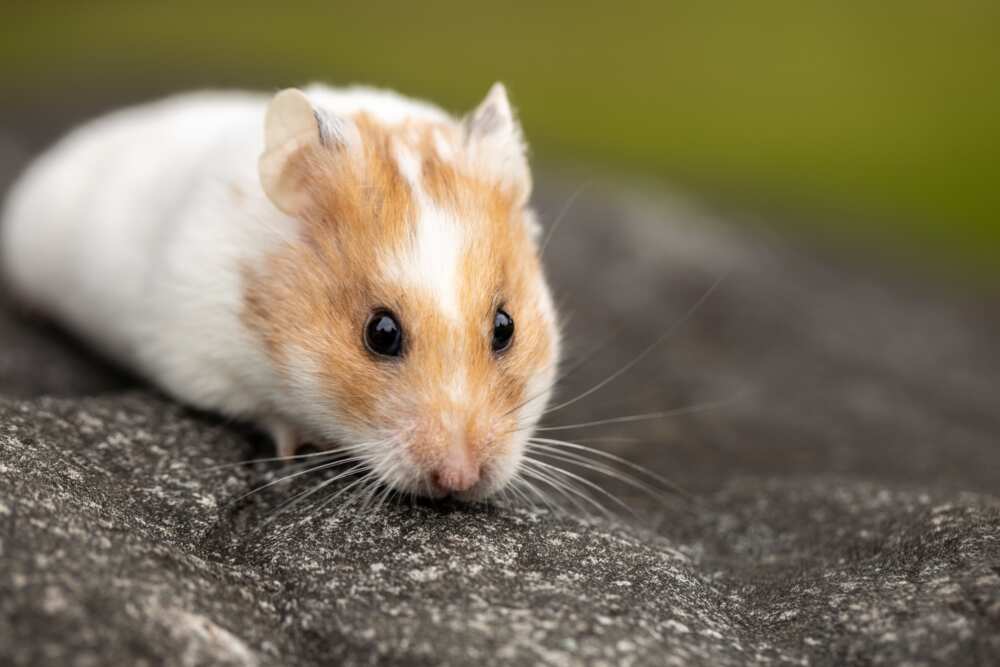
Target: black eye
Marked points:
383	335
503	331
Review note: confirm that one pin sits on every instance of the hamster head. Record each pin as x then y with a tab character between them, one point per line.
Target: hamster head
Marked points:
408	321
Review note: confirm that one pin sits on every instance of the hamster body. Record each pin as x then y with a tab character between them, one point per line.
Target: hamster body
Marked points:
346	267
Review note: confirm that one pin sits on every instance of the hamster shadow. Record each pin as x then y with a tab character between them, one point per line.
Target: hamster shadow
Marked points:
51	362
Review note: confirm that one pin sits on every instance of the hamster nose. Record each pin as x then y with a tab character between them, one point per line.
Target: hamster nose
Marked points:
455	475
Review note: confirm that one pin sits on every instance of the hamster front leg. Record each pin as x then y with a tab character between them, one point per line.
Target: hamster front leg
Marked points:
286	437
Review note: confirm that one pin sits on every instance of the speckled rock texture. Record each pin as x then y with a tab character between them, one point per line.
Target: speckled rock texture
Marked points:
843	475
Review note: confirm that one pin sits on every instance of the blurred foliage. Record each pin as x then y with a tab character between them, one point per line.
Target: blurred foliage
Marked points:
884	113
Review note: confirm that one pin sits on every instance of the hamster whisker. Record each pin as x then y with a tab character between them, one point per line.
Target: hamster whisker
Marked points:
562	375
610	438
591	451
515	497
561	215
604	343
584	481
325	466
577	364
340	460
270	475
560	478
566	373
284	478
528	490
646	350
523	488
291	502
504	497
269	459
385	479
297	457
375	497
510	495
589	464
571	492
384	498
533	397
351	490
554	505
647	416
366	494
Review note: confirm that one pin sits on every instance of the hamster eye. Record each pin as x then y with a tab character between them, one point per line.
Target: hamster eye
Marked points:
383	335
503	331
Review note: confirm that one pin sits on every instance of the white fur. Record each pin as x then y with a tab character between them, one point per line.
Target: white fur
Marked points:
445	150
409	165
132	231
431	259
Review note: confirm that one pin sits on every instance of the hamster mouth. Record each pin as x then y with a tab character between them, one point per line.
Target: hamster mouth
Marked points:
476	494
485	486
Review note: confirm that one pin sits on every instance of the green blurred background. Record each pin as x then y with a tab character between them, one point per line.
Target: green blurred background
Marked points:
877	123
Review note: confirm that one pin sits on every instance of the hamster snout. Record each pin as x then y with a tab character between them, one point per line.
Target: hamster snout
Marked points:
453	463
460	450
458	472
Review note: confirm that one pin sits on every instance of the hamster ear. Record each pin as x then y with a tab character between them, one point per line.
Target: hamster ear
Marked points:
494	137
291	124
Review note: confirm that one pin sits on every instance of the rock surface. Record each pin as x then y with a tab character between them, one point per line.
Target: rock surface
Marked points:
844	472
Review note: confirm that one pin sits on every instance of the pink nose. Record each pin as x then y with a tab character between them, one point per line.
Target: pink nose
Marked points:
454	476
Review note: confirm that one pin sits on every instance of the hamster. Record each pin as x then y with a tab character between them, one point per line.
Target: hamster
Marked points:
345	267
